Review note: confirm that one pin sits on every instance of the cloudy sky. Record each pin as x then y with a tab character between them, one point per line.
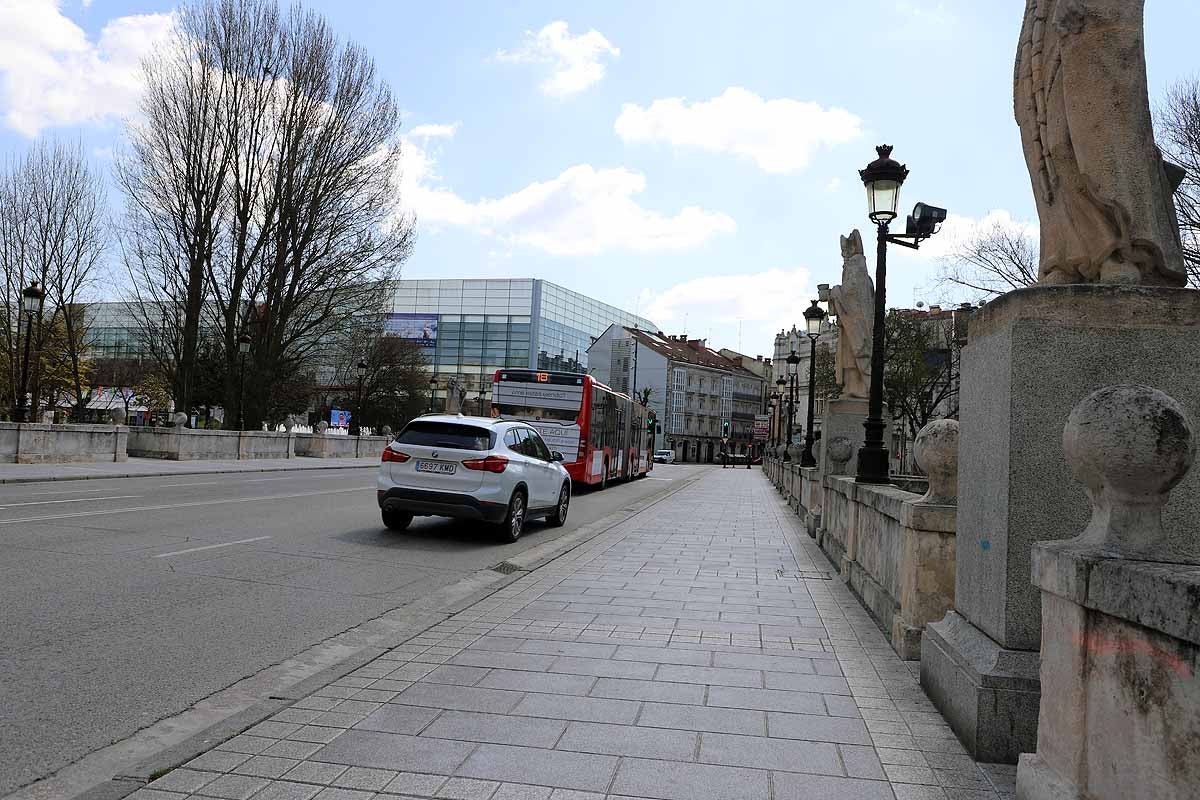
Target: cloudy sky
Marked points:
692	161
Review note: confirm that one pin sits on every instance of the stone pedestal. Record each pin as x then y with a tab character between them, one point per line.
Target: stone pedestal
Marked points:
845	417
1032	355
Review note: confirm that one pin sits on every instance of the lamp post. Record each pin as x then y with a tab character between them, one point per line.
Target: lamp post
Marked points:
31	303
243	348
771	417
433	383
793	361
356	419
814	315
883	178
781	383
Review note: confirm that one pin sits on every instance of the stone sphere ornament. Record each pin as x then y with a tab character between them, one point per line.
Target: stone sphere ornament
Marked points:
178	419
386	431
841	450
936	452
322	426
1130	445
289	422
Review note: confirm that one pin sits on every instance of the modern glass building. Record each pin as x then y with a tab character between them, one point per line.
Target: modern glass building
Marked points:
471	328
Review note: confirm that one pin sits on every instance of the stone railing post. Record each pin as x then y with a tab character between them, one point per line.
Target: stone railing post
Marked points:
1120	703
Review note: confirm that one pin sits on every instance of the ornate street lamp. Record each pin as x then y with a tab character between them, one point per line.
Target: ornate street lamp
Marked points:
883	178
781	383
356	426
814	315
433	384
31	303
793	361
243	349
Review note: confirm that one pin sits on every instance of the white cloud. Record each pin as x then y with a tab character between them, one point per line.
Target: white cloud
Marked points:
833	185
576	61
52	75
434	131
780	135
752	307
584	211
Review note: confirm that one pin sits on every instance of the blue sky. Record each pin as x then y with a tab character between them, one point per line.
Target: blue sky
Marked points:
693	161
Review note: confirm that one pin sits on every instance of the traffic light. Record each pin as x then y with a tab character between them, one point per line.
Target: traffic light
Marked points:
725	428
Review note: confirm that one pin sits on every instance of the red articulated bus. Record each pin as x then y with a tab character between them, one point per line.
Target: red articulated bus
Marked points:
601	433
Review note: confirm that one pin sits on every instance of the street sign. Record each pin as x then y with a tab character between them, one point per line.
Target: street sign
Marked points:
762	427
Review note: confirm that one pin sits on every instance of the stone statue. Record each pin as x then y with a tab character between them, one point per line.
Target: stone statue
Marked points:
1102	189
853	303
456	395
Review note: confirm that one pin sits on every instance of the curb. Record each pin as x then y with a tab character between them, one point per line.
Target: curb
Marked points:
119	476
425	614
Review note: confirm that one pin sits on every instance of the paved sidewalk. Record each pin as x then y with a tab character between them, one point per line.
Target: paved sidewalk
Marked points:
698	650
153	467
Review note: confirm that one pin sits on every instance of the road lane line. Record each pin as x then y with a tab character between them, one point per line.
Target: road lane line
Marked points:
76	500
211	547
181	505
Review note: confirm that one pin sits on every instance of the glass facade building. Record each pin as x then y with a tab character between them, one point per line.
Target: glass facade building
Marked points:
470	328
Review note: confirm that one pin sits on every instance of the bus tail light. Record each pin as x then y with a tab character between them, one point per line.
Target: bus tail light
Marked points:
489	464
394	456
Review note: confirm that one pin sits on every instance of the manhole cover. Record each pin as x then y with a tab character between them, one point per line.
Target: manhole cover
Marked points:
506	568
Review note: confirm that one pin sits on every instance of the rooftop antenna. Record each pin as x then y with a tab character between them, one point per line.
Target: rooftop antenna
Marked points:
685	316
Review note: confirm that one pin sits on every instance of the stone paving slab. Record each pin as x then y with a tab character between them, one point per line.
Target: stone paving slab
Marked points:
698	651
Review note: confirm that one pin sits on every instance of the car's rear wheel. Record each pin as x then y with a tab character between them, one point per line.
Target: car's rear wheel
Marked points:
514	521
559	517
396	520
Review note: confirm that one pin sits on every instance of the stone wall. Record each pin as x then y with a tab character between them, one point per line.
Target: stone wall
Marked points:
316	445
893	547
37	443
186	444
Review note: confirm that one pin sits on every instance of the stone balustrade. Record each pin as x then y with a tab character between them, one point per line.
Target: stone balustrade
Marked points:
1120	634
895	548
187	444
316	445
40	443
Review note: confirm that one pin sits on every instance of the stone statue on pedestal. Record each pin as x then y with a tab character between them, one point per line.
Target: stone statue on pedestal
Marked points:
853	303
1102	189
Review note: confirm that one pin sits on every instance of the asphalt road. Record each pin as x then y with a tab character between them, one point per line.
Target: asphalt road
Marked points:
126	601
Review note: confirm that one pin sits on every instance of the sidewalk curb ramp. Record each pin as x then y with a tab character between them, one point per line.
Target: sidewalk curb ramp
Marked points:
238	707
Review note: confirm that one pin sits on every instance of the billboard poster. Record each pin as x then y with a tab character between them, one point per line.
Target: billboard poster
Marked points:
339	418
762	427
417	328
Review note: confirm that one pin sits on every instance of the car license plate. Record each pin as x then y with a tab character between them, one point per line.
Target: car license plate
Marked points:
437	467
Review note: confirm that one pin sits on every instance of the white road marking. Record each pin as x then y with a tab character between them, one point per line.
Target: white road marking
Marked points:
74	491
211	547
180	505
659	479
76	500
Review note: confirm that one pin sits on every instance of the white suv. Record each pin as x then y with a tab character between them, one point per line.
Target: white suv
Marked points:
497	471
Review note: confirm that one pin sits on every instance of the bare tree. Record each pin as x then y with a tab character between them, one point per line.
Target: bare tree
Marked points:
1178	127
52	230
291	224
991	261
174	178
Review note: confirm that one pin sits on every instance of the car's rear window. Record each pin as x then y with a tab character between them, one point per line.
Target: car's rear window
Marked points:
446	434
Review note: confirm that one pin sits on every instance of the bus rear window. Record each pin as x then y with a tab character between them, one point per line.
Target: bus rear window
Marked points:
533	412
446	434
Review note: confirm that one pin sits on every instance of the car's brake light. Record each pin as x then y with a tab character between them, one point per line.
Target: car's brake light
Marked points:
395	456
489	464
